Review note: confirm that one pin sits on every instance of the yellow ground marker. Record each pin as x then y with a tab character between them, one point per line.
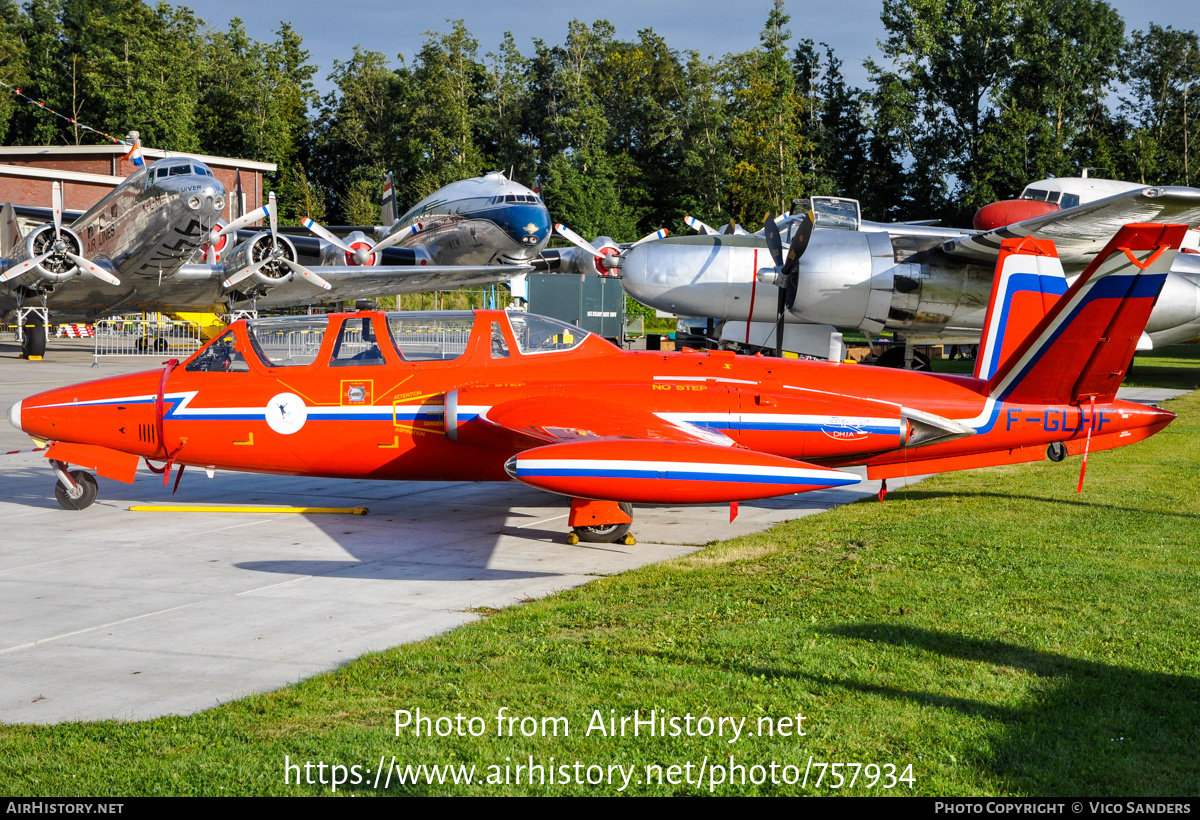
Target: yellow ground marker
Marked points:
256	510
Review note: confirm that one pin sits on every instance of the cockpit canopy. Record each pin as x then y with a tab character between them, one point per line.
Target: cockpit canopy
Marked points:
416	336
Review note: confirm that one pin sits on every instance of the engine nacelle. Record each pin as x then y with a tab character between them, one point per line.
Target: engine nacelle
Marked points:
333	255
58	267
254	250
845	279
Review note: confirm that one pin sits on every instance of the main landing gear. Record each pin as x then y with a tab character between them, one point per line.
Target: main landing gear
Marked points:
601	522
76	489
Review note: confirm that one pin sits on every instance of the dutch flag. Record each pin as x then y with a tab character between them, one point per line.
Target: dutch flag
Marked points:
135	154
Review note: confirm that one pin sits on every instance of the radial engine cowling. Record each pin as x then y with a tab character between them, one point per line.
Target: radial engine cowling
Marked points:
56	268
252	252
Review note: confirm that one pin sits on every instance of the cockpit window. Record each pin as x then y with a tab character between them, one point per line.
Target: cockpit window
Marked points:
1069	200
537	334
180	170
430	337
1035	193
161	173
290	342
222	356
356	345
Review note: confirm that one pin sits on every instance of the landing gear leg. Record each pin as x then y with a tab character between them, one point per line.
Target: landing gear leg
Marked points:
76	489
600	522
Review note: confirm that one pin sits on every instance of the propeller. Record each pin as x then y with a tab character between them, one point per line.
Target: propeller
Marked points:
606	255
28	264
784	274
59	248
697	225
270	210
360	255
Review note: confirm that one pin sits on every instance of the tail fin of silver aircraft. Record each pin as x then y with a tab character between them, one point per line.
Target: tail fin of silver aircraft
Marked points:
1081	349
10	232
1029	280
387	205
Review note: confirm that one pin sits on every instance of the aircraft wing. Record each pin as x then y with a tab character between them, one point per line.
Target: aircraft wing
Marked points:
353	281
1081	232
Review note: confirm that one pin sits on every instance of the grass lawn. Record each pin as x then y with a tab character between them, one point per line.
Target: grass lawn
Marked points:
993	630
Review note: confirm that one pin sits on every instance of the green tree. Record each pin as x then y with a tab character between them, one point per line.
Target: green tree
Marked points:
1164	72
765	109
448	87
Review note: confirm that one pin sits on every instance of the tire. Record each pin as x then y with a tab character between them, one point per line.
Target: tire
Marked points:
86	491
34	339
160	344
608	533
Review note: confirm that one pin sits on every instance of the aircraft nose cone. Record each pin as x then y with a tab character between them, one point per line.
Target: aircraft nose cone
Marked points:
14	415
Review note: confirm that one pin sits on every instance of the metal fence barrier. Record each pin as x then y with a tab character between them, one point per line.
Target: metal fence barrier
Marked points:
145	337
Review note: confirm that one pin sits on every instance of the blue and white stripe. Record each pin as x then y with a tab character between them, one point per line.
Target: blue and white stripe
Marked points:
681	471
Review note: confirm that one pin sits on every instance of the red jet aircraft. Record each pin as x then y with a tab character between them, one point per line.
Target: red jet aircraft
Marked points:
488	396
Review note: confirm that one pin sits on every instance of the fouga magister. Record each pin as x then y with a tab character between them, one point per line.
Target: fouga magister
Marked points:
489	396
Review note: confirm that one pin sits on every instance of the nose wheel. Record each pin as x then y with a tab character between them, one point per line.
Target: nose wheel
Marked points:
79	496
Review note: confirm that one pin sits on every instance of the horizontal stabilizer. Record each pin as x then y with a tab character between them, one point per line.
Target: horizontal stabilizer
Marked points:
667	472
1029	279
1082	348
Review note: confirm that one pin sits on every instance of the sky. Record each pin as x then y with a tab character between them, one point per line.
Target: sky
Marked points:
711	27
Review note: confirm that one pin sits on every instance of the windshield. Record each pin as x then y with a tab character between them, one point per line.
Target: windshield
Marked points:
537	334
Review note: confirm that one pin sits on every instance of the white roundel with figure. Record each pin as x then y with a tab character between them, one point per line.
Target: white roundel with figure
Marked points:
286	413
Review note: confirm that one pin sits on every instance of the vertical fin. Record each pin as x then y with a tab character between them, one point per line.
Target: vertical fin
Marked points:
387	205
1029	280
1082	348
10	232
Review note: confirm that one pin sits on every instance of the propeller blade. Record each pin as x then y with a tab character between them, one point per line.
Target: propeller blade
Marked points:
241	222
656	235
774	241
56	202
800	240
325	234
246	273
28	264
697	225
309	276
398	236
575	239
273	212
210	256
87	266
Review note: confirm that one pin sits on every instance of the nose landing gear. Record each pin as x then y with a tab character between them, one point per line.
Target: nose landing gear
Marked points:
76	489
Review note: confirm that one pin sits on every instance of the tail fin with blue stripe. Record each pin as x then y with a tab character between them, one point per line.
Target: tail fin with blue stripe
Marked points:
1029	280
1081	349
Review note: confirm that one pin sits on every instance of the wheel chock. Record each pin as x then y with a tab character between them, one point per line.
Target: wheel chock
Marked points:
572	539
629	540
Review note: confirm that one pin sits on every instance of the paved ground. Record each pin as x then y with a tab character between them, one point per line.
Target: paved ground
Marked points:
107	613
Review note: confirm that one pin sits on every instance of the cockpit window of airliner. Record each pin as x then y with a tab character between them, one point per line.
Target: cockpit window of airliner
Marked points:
291	342
430	337
537	334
